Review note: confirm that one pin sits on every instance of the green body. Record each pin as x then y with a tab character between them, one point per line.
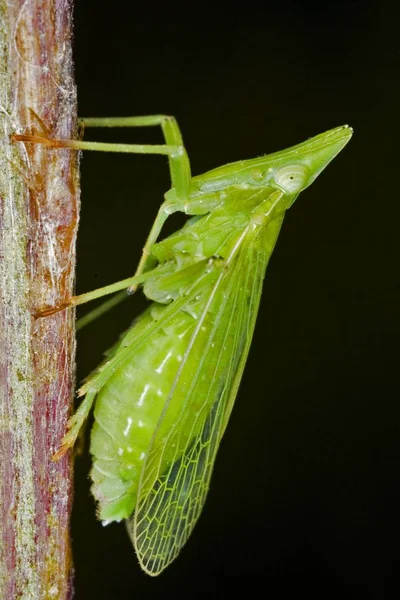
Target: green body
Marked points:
177	363
165	392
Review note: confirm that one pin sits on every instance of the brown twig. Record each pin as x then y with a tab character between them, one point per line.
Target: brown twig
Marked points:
38	224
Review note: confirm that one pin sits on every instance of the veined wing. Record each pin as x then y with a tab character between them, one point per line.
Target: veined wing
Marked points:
177	471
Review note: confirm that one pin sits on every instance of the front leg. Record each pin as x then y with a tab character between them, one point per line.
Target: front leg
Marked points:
179	165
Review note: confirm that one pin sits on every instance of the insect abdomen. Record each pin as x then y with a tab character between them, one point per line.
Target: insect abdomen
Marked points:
126	413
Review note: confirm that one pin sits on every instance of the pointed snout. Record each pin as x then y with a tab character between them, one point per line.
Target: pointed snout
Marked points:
318	152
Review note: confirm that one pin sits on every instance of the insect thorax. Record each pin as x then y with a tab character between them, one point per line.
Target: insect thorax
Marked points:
215	233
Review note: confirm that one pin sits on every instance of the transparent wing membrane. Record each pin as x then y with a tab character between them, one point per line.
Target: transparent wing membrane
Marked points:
177	473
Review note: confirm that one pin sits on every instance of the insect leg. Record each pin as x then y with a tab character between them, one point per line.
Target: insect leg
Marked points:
98	293
166	209
75	424
131	284
178	162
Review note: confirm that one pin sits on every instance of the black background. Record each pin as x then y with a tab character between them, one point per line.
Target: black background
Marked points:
305	493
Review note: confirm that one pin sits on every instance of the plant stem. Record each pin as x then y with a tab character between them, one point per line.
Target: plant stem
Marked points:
39	203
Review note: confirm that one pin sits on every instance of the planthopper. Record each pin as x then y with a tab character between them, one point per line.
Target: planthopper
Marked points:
163	396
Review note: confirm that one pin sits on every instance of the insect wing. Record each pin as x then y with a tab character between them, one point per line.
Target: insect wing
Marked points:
177	471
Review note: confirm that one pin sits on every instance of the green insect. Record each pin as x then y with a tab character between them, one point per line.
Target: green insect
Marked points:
165	392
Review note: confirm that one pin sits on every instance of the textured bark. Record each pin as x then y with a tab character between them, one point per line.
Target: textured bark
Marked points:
39	203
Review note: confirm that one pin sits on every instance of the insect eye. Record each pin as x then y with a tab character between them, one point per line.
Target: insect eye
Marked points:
292	178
